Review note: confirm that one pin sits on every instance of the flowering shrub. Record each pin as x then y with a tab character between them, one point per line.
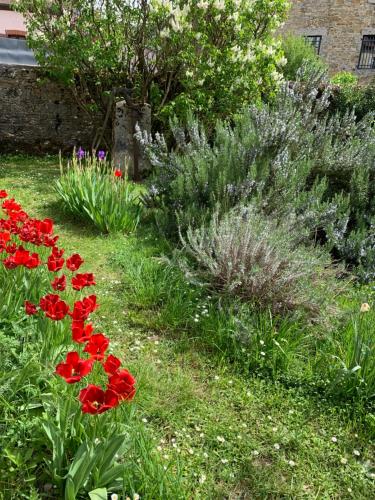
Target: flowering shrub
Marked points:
207	56
17	231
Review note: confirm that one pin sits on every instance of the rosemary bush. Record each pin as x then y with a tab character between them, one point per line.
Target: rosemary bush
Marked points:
249	256
90	190
291	158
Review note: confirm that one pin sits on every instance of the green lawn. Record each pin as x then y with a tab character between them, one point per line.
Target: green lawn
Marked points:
228	435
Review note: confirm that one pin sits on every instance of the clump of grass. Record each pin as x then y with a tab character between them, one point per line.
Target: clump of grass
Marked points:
352	368
90	190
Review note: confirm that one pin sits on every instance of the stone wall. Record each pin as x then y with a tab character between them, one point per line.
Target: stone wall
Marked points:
341	23
38	116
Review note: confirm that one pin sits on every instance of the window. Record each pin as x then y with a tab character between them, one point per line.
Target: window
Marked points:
367	55
315	40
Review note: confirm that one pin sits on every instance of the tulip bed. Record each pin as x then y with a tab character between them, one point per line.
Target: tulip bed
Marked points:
82	457
20	230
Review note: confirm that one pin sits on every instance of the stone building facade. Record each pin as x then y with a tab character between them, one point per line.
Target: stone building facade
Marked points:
343	32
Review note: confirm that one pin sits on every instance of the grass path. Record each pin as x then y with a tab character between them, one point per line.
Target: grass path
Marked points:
229	437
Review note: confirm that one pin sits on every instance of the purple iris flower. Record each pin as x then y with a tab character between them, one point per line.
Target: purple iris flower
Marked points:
101	155
80	153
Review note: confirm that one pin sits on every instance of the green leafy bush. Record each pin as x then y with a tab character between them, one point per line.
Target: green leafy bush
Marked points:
290	157
90	190
299	52
349	95
253	258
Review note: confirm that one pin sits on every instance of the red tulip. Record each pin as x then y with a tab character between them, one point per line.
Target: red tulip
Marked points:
74	262
30	308
79	281
74	368
33	261
83	308
59	283
81	333
3	194
55	261
10	205
94	400
4	238
54	307
111	365
118	173
122	383
96	346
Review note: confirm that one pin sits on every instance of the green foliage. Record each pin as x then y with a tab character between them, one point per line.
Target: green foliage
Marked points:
298	53
90	191
349	95
352	367
291	158
345	79
209	57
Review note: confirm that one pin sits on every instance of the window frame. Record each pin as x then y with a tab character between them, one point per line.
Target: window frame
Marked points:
367	42
315	41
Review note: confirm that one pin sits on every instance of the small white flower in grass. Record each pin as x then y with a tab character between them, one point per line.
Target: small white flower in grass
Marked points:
220	439
201	435
224	460
276	446
356	453
97	441
334	439
166	457
114	496
261	342
136	496
262	353
144	420
274	429
159	448
344	460
196	320
191	452
291	463
350	490
255	453
202	479
230	382
205	455
216	377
